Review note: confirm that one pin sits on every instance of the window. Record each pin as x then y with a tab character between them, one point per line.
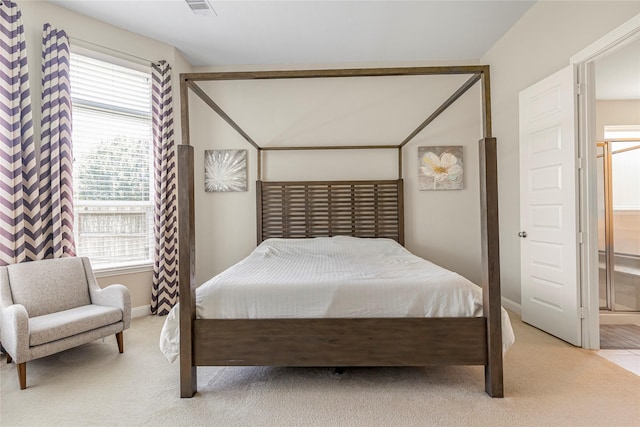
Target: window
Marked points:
113	162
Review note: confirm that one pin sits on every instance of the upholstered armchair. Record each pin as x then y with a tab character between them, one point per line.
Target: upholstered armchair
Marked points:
53	305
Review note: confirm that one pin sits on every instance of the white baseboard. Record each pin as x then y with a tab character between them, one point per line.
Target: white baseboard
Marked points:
620	318
143	310
512	306
605	318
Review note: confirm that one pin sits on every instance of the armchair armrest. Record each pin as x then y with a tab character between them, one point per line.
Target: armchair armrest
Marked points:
15	332
114	296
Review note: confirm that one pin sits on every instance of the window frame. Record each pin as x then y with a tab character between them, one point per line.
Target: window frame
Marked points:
148	264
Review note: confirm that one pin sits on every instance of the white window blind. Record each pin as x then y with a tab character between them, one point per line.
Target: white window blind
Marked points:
112	171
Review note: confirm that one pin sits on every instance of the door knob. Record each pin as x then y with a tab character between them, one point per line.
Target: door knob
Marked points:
522	234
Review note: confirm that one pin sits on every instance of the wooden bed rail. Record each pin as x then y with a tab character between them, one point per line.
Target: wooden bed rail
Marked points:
333	342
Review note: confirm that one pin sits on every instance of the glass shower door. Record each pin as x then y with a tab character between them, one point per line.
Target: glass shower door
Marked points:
618	169
625	180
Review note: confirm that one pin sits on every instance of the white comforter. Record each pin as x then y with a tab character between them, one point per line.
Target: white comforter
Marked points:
332	277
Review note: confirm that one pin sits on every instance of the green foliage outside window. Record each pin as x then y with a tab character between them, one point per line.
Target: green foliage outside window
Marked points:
115	170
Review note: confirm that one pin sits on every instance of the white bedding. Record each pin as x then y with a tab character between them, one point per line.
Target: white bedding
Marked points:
332	277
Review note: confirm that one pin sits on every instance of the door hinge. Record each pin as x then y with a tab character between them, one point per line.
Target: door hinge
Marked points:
578	89
582	312
580	163
580	237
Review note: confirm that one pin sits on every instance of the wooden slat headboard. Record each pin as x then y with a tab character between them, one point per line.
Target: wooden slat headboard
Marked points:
294	209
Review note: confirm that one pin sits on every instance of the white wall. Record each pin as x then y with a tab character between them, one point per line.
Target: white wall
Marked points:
540	43
82	29
616	112
443	226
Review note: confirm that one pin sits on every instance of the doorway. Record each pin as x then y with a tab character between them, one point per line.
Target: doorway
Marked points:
611	120
603	67
617	77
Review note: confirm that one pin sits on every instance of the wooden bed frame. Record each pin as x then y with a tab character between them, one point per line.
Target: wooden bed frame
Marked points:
357	208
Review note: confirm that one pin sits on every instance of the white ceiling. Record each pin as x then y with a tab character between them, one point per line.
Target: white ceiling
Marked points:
312	32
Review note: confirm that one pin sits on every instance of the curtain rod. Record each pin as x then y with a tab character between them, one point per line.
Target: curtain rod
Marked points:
123	55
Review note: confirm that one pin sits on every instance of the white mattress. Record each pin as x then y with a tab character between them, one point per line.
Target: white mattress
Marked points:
332	277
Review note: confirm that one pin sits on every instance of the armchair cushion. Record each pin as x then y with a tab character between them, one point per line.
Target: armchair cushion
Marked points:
49	286
55	326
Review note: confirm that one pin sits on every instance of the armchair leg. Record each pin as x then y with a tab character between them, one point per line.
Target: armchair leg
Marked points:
120	338
9	359
22	374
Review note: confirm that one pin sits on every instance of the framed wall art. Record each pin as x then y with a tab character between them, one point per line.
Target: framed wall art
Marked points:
225	170
440	168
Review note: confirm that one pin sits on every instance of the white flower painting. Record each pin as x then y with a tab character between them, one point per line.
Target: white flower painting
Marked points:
225	170
440	168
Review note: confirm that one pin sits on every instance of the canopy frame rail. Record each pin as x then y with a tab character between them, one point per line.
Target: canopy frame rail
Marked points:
478	73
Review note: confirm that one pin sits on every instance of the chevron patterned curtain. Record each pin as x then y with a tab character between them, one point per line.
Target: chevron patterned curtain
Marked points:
56	158
19	210
164	293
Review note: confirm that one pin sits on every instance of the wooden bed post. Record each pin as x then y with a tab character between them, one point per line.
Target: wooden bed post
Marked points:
401	211
186	249
491	298
186	269
259	208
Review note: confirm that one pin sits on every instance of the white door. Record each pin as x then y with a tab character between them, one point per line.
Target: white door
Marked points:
548	207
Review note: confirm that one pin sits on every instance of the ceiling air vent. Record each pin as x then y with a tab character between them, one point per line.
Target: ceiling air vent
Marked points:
201	7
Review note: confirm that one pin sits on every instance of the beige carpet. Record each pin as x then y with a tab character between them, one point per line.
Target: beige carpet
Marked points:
547	383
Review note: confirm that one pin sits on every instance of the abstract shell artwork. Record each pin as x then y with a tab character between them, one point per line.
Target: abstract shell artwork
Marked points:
440	168
225	170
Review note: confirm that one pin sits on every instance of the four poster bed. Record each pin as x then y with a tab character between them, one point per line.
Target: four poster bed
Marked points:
348	209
